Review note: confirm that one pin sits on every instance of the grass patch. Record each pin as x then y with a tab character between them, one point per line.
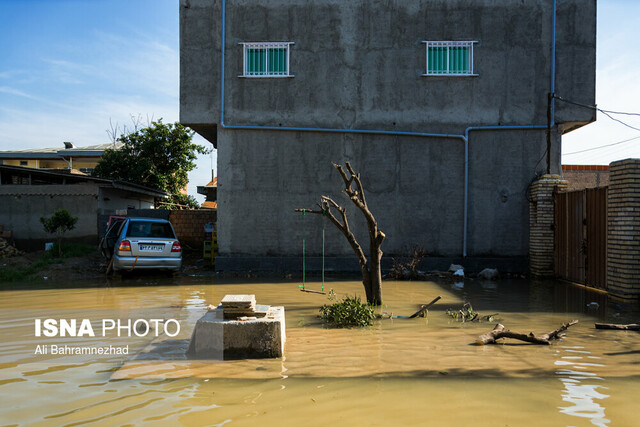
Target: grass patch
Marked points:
8	274
69	250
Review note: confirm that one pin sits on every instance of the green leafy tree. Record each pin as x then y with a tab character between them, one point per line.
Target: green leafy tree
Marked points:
158	156
60	222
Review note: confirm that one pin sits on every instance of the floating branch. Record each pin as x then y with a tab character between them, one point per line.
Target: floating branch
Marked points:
500	332
424	308
631	327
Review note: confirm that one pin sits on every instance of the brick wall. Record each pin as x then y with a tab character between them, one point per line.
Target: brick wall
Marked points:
541	221
585	176
189	226
623	245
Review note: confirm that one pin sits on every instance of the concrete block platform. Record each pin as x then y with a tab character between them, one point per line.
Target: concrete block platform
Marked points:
215	337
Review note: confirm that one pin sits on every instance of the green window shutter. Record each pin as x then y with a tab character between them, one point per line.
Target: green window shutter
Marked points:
459	60
437	60
255	62
277	62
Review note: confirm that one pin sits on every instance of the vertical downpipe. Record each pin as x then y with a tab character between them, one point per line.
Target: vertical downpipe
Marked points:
466	193
553	66
222	65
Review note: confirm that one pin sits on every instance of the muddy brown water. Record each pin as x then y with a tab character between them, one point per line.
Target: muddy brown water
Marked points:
399	372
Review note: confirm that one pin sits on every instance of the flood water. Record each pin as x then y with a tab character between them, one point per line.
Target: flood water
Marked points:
423	371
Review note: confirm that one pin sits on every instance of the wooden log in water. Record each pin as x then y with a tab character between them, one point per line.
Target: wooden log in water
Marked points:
630	327
500	332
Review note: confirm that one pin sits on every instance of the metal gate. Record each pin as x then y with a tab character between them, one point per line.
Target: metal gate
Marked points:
581	236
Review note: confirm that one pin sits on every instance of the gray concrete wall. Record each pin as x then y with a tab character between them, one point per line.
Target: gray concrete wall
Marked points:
21	207
358	65
414	188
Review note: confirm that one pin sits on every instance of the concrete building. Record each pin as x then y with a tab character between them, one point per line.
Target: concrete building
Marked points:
80	159
442	105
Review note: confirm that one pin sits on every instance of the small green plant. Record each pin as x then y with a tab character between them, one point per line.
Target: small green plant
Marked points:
467	314
464	314
348	313
60	222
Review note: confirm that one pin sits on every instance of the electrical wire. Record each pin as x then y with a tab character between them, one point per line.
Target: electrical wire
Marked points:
594	107
602	146
605	112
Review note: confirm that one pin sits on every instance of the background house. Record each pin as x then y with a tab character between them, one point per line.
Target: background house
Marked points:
580	177
442	105
80	159
210	191
26	194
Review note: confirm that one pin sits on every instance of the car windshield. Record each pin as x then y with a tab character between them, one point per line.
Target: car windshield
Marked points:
150	229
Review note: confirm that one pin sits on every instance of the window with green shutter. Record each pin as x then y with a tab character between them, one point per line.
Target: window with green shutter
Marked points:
266	59
449	58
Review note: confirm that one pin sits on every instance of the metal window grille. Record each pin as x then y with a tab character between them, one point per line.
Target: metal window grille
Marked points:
449	58
267	59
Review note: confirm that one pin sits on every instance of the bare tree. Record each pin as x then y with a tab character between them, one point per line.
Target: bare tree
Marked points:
115	132
371	274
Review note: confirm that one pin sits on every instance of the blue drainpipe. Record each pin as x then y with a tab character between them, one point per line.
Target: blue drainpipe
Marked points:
464	138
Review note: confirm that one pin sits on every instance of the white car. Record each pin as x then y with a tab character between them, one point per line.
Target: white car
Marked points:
142	243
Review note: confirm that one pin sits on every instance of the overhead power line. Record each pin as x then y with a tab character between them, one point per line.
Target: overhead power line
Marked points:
594	107
602	146
607	113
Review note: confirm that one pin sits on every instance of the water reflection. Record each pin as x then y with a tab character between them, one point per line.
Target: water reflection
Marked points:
580	385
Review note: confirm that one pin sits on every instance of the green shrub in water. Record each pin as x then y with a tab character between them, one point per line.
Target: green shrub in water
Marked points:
348	313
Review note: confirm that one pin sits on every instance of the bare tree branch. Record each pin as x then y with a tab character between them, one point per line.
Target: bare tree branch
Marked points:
371	275
500	332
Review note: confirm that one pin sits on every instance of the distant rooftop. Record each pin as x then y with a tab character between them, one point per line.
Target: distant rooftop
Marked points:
18	176
68	149
209	205
585	167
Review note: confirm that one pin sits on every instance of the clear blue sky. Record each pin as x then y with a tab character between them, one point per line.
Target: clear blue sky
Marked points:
68	67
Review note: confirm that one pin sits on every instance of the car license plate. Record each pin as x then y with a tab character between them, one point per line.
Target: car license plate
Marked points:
151	248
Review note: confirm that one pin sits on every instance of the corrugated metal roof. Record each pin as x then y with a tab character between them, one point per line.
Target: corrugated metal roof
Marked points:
70	178
56	152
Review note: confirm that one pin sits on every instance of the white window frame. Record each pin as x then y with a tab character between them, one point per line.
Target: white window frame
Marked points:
265	45
448	44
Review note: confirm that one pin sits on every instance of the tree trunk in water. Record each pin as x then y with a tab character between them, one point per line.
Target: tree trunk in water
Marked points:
366	282
376	276
371	273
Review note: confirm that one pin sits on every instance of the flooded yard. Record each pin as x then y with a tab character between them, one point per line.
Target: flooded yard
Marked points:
423	371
